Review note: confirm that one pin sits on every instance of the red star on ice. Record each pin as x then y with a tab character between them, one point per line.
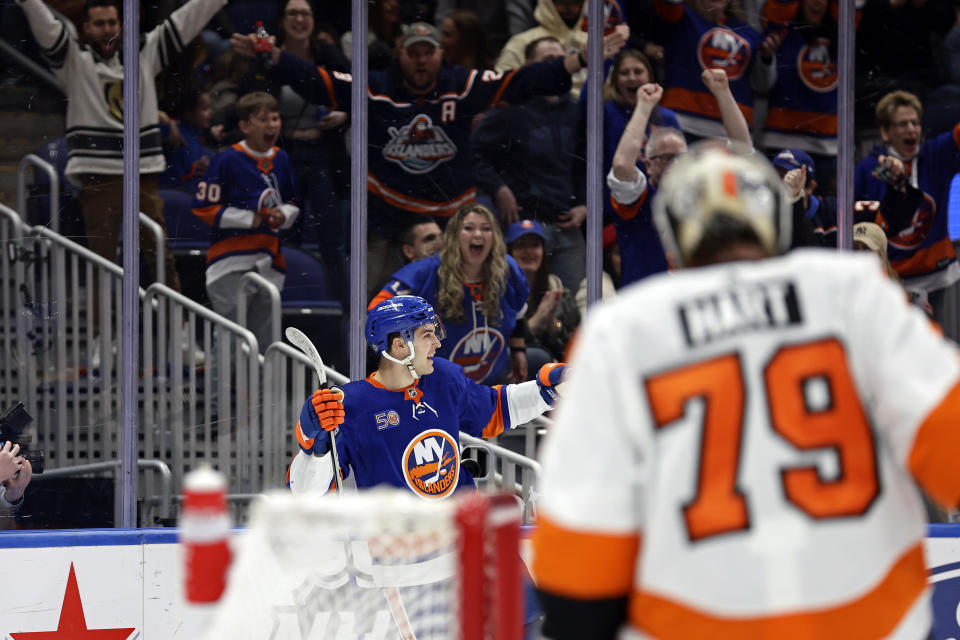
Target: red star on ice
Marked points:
72	625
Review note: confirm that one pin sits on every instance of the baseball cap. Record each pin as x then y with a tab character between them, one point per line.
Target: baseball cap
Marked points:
794	159
421	32
871	236
524	227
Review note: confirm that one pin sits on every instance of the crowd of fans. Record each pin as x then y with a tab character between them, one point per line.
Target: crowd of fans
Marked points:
477	120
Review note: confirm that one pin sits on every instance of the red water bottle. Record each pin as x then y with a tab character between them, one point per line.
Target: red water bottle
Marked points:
262	45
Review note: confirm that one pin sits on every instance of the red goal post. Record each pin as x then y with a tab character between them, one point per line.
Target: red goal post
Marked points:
375	564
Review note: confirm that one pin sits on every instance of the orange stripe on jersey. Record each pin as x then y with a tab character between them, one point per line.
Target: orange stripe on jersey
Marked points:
795	120
629	211
328	83
932	459
399	200
208	213
248	244
780	12
264	163
956	135
503	88
874	615
925	260
380	297
304	442
495	427
668	11
698	103
583	565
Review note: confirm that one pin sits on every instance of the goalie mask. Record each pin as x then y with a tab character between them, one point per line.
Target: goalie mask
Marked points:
400	315
711	190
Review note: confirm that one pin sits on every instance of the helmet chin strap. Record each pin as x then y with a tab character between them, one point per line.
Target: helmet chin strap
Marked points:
407	362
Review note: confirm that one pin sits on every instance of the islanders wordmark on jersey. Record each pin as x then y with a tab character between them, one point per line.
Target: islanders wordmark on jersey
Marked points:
431	464
420	146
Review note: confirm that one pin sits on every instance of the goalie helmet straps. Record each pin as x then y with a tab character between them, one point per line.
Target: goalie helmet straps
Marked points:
400	315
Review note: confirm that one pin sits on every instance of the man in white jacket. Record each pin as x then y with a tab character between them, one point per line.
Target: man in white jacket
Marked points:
92	71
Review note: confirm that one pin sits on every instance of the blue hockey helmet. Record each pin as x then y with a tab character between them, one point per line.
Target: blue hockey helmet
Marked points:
400	314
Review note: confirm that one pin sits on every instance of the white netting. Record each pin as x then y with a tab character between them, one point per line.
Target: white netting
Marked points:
377	565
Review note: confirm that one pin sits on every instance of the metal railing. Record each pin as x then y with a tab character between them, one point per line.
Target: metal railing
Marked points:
164	500
31	160
506	470
192	417
256	281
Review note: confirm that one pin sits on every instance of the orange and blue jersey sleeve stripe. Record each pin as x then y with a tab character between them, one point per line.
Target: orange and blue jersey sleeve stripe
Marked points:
208	213
500	418
629	211
385	294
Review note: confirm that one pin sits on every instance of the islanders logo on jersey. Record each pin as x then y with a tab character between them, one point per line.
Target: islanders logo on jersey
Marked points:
478	351
419	147
431	464
920	225
816	66
270	196
721	48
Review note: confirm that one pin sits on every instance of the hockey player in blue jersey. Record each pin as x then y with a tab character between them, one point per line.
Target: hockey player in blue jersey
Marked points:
401	425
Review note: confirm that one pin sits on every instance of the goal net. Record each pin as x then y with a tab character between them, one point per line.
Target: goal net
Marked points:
376	565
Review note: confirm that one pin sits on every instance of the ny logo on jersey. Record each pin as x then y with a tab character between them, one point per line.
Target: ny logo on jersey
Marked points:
421	408
431	464
721	48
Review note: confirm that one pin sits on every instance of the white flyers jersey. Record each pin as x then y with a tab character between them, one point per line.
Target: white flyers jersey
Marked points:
736	452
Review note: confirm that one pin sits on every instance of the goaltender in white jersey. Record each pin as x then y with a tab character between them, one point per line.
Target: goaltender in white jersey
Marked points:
738	446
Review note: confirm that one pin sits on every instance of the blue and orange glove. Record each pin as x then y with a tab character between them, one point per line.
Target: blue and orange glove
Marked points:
322	413
549	378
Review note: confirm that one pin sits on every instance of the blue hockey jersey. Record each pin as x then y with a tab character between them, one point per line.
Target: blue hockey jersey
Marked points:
239	183
478	344
692	44
419	151
922	253
411	437
802	112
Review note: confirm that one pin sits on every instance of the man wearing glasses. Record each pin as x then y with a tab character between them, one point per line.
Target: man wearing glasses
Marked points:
921	252
631	190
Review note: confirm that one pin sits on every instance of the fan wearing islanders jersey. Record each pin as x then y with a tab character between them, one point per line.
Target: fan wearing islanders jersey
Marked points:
246	196
480	292
758	427
630	189
711	34
421	113
401	426
922	251
802	112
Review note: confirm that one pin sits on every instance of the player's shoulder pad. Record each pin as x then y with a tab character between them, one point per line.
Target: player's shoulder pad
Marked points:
416	274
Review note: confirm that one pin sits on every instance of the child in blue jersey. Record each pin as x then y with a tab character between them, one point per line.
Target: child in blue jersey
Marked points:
246	196
481	295
401	425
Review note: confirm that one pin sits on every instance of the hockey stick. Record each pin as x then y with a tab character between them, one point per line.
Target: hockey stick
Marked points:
299	339
392	595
